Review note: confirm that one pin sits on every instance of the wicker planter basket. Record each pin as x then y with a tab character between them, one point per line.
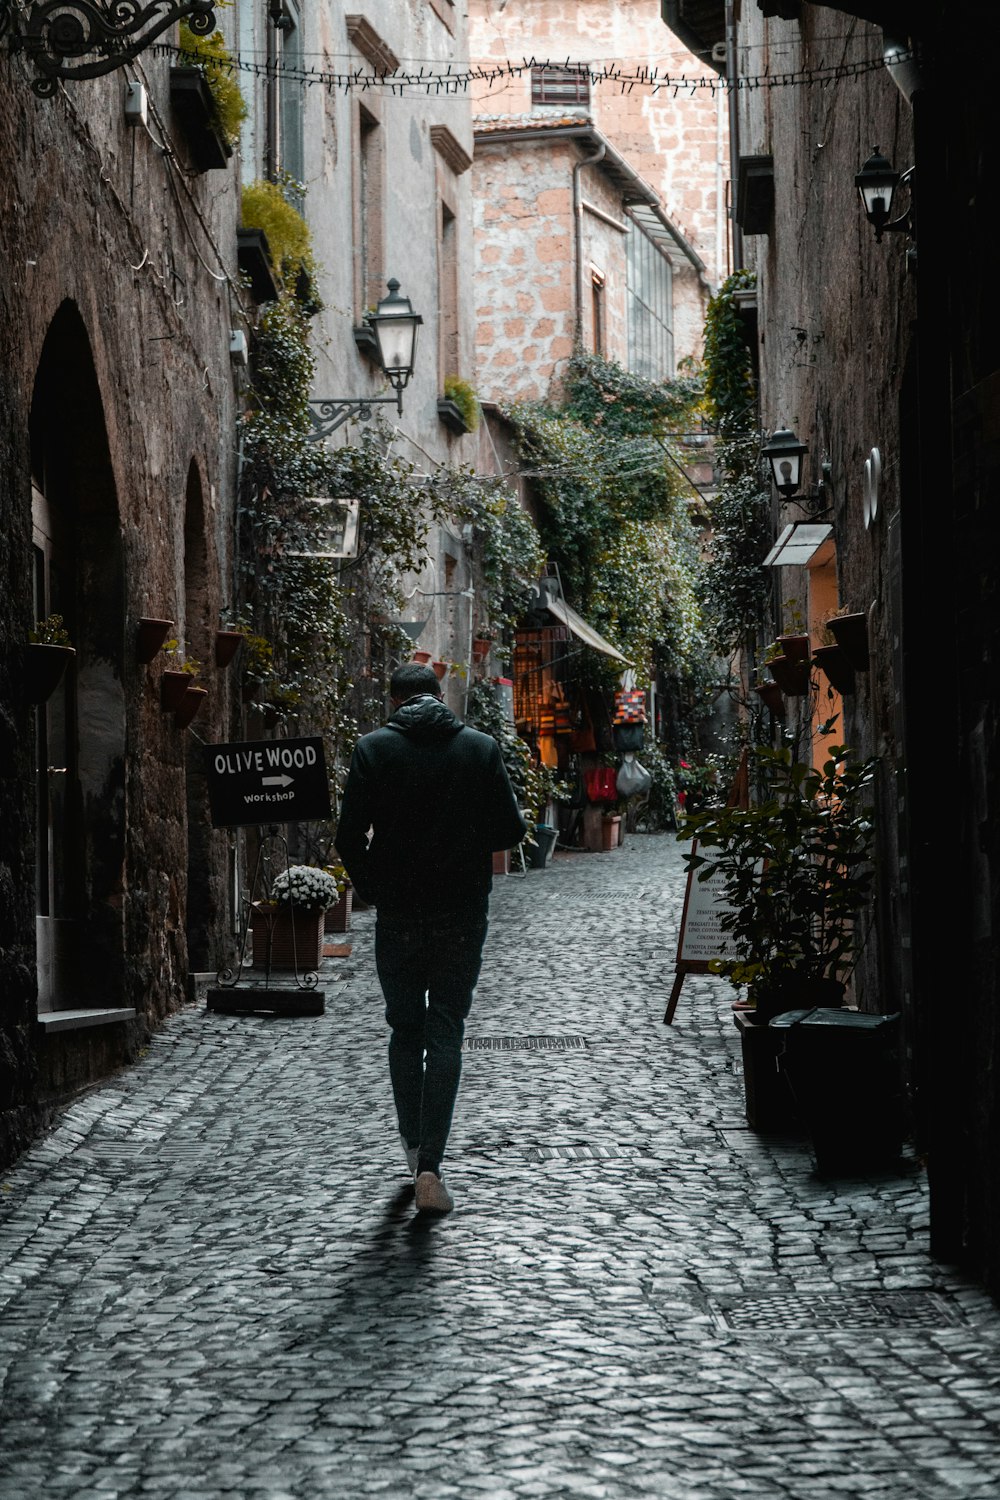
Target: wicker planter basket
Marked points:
308	939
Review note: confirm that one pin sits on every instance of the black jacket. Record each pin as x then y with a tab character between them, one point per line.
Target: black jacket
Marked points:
438	801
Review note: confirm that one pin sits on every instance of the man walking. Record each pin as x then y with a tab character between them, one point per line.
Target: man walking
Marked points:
427	802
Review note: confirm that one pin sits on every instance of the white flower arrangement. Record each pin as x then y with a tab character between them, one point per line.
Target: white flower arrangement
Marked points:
308	888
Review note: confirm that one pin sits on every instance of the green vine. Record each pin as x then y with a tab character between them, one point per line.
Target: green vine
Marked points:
614	516
736	581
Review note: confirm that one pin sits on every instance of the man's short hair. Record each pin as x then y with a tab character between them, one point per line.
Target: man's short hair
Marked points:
411	679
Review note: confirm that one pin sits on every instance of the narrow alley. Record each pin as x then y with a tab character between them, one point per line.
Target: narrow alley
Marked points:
213	1283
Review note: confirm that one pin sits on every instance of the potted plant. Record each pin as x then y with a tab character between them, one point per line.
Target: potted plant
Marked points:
49	654
458	408
797	871
288	929
273	225
206	98
797	876
338	916
177	678
791	673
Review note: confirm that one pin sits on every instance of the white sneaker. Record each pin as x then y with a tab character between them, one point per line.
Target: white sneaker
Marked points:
412	1155
432	1196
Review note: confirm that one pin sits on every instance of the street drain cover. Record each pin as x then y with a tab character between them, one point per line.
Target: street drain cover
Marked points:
523	1043
782	1312
578	1153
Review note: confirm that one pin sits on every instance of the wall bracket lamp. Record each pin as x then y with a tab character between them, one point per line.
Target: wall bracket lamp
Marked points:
785	453
876	184
394	324
72	39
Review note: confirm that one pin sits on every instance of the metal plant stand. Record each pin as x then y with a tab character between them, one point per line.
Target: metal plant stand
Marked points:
304	998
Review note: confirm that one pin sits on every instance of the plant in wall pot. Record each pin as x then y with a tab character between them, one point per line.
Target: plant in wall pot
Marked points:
798	877
49	654
176	678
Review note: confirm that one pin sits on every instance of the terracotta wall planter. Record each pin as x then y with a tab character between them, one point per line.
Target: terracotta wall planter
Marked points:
794	647
792	677
149	637
769	694
190	705
227	643
835	663
173	687
308	939
851	634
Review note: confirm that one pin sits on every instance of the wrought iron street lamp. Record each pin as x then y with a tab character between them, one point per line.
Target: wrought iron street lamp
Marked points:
394	324
785	453
877	183
69	39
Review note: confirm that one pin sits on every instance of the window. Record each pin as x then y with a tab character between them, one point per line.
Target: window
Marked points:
448	294
561	86
650	308
597	283
369	211
291	101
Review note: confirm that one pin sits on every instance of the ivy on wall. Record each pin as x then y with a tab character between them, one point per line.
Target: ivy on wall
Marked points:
615	518
736	581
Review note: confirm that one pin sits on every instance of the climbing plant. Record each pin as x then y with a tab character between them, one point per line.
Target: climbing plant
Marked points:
614	513
736	581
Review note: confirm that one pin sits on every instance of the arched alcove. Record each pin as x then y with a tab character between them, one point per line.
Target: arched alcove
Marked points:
80	733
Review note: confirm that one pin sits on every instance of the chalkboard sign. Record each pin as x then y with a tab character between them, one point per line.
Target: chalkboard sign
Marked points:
702	938
267	781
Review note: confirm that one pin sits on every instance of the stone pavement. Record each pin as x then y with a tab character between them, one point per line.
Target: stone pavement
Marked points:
213	1283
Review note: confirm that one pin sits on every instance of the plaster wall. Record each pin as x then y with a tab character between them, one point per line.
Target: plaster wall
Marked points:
416	180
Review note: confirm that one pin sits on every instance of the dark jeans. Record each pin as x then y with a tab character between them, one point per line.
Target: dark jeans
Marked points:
427	969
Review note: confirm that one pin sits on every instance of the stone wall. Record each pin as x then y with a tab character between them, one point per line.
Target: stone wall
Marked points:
834	315
676	141
117	296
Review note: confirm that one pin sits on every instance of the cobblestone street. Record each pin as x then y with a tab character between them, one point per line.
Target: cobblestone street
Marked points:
213	1283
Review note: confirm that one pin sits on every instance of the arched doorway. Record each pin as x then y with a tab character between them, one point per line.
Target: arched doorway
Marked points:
80	732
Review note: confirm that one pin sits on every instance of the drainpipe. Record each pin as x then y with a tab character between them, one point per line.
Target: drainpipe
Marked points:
734	131
587	161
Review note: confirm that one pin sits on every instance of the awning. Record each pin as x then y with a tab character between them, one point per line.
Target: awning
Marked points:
801	544
582	630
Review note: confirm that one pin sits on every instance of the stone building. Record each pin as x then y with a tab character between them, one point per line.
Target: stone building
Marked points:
119	301
881	354
600	209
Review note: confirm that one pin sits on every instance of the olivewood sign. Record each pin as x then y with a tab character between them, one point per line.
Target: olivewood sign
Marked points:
267	781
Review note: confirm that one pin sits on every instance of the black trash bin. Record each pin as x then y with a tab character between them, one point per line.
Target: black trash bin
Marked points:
842	1068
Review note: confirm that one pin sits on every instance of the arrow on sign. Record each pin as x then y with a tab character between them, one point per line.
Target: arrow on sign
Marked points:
277	780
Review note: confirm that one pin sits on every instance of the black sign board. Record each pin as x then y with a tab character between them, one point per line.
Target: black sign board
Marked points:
267	781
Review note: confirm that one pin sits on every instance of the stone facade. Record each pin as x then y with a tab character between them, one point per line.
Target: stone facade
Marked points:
859	351
118	295
676	147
